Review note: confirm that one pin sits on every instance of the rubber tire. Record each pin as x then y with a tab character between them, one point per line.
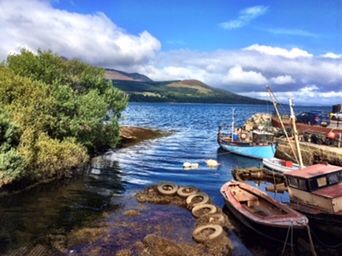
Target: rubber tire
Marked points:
218	231
182	191
196	210
167	189
218	218
190	198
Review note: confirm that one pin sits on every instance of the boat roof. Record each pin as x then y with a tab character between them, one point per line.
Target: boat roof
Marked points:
314	171
330	191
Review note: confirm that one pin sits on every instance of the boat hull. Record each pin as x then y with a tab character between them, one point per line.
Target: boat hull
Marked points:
258	152
280	220
275	165
324	222
270	232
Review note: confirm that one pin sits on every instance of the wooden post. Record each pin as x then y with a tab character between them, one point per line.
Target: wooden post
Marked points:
281	122
293	120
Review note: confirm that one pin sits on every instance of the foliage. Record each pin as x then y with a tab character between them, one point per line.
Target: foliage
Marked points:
153	91
55	158
53	111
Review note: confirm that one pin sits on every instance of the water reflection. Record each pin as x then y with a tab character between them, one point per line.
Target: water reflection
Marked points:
29	216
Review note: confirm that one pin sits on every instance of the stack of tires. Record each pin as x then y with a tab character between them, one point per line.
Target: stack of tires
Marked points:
210	219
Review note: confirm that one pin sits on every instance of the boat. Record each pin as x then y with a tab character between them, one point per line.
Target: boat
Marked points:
256	144
317	192
260	212
280	165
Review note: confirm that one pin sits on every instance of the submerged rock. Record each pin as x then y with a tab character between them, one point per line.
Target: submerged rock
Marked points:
151	195
131	213
153	245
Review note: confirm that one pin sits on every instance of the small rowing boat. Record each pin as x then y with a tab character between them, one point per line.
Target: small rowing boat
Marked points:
280	165
258	211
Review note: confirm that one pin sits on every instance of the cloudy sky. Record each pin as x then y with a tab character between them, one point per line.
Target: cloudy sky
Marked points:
241	46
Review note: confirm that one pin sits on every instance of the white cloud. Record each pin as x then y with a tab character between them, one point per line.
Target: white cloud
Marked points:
277	51
309	96
282	79
91	37
245	17
331	55
97	40
290	32
236	75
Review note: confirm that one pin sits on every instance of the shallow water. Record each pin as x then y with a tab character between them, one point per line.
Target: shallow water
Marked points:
110	184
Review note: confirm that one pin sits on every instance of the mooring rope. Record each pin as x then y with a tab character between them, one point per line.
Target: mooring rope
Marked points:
287	237
312	247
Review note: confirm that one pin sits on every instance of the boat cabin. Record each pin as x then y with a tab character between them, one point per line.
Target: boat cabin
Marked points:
262	137
317	186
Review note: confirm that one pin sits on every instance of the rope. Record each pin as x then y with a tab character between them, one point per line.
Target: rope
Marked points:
312	248
292	251
285	242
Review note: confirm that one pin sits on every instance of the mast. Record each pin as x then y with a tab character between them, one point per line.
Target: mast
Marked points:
233	121
274	101
293	120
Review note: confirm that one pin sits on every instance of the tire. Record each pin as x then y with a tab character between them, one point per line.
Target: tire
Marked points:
192	199
167	189
200	233
186	191
203	209
217	218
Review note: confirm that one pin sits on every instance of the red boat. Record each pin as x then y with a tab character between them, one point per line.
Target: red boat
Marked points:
260	212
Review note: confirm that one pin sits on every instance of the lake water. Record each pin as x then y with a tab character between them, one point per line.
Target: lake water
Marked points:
108	187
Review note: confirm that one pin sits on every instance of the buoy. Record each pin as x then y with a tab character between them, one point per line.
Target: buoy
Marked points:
331	135
188	165
211	163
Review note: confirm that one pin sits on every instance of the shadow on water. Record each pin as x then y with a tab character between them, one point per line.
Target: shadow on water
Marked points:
59	206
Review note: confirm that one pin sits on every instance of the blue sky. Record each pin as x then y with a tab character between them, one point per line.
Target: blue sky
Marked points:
241	46
310	24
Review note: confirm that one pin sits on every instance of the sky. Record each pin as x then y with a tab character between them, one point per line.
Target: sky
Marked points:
241	46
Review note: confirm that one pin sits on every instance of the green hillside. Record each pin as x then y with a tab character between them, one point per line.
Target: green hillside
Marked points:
179	91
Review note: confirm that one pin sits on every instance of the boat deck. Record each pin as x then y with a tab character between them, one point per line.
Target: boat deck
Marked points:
256	205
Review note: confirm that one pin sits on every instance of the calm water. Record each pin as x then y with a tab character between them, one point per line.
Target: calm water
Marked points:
109	186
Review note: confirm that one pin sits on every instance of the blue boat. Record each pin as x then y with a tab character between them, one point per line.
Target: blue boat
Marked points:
248	150
256	144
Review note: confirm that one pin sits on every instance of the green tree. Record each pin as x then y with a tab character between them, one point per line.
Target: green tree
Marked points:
55	110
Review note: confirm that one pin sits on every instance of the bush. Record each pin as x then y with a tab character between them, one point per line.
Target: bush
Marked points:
55	111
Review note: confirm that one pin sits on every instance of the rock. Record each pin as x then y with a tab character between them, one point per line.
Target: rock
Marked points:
131	213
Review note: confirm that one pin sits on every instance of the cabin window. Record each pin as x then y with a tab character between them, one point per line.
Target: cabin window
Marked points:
298	183
333	178
322	181
293	182
302	184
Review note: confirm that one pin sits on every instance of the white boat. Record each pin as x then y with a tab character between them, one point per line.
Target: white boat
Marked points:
280	165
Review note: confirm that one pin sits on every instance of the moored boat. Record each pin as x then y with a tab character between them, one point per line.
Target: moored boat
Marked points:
280	165
259	211
317	191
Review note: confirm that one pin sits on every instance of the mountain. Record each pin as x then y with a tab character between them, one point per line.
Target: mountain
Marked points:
113	74
142	88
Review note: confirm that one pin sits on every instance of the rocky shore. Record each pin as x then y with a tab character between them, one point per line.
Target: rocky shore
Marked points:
130	135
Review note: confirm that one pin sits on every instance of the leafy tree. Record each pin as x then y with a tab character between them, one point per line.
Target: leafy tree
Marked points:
54	111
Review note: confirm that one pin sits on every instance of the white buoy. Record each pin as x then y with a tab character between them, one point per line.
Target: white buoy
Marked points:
188	165
212	163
